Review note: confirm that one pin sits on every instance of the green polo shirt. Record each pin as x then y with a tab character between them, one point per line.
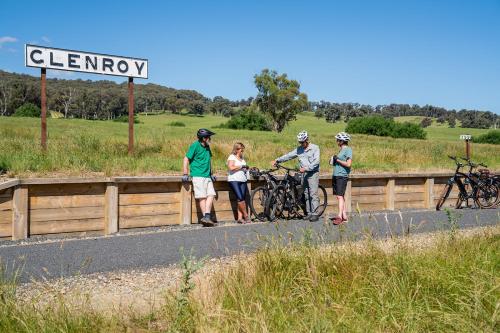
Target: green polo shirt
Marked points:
199	160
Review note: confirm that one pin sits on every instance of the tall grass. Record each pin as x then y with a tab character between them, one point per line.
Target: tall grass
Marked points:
450	286
78	147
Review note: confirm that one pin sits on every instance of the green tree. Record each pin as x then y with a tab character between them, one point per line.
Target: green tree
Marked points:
28	110
426	122
279	97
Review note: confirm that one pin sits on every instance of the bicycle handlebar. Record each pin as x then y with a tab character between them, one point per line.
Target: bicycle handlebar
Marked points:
279	166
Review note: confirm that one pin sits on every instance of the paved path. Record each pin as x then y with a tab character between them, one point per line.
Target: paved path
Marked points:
63	257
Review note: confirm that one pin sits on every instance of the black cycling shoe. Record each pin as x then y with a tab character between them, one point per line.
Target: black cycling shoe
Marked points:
314	218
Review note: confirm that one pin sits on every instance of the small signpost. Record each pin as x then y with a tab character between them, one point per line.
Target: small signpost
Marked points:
87	62
467	139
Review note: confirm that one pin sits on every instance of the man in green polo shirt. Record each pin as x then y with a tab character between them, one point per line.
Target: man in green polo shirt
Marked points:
198	159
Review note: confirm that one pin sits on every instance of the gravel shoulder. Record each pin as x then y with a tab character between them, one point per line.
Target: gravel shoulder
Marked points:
141	290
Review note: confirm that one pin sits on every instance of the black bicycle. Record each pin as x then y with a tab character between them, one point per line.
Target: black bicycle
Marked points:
489	186
288	199
259	195
480	192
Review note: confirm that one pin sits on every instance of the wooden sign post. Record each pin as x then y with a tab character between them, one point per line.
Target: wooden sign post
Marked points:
43	92
467	139
88	62
130	115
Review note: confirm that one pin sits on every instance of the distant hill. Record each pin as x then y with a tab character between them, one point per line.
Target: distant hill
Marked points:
93	99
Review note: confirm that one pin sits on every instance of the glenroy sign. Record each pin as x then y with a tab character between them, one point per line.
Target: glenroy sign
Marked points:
88	62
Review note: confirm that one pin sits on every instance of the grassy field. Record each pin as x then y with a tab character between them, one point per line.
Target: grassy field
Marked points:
448	283
81	147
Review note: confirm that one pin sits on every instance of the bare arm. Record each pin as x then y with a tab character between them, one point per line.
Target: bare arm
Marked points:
346	164
185	166
232	167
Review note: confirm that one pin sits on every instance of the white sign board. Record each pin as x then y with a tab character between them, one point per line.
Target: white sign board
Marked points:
465	137
78	61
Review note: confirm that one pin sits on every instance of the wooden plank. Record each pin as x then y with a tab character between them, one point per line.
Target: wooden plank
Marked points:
368	190
20	213
410	181
6	217
6	230
149	188
56	227
111	209
186	205
63	214
69	189
368	206
409	197
369	198
368	182
62	181
148	221
348	196
149	198
390	194
148	210
5	203
66	201
6	193
8	185
409	188
409	204
429	193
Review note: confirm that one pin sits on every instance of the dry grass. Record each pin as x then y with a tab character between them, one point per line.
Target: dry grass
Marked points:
80	147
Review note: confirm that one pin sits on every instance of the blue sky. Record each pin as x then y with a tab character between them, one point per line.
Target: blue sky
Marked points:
445	53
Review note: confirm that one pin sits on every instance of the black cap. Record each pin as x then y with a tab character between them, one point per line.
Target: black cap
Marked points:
203	133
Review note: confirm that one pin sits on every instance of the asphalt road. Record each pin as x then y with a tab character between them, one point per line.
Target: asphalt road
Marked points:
65	257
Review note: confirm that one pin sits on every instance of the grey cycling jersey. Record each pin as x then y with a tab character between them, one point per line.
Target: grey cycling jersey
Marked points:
308	158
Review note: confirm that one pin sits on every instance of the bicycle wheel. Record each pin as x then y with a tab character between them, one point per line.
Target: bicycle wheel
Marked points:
276	203
258	200
444	195
323	201
486	195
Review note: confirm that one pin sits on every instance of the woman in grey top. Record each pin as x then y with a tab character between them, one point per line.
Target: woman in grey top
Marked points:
341	169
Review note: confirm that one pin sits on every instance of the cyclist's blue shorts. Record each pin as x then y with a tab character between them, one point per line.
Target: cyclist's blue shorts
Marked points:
240	189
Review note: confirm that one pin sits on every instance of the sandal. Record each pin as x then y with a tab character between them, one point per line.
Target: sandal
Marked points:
337	220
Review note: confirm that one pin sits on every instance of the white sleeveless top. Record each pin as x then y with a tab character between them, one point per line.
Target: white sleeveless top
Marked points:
236	175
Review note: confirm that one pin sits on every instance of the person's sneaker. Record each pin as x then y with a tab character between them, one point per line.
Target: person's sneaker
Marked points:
307	217
314	218
207	222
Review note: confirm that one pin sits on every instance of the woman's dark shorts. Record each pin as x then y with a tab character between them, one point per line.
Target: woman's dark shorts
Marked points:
240	189
339	185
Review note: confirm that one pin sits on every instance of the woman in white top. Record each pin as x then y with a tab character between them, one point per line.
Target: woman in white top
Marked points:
237	179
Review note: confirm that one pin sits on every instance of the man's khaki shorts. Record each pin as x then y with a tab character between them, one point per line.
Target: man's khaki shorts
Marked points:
203	187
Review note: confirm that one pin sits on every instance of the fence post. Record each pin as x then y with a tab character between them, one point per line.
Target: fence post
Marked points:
20	211
348	196
429	193
186	204
389	194
111	209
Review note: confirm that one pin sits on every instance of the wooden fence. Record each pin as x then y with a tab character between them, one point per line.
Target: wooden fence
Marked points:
45	206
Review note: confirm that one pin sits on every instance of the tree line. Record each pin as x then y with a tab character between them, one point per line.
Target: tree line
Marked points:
333	112
278	97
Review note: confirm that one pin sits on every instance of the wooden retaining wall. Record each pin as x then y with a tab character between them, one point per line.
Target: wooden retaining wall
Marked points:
104	206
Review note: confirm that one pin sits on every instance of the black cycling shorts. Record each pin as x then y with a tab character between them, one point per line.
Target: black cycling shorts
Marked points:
339	185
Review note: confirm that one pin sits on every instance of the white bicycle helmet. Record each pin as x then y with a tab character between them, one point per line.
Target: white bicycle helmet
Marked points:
343	136
302	136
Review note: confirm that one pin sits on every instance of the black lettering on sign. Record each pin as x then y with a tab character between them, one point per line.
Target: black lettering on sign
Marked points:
53	63
139	68
72	60
107	63
124	64
88	60
32	57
